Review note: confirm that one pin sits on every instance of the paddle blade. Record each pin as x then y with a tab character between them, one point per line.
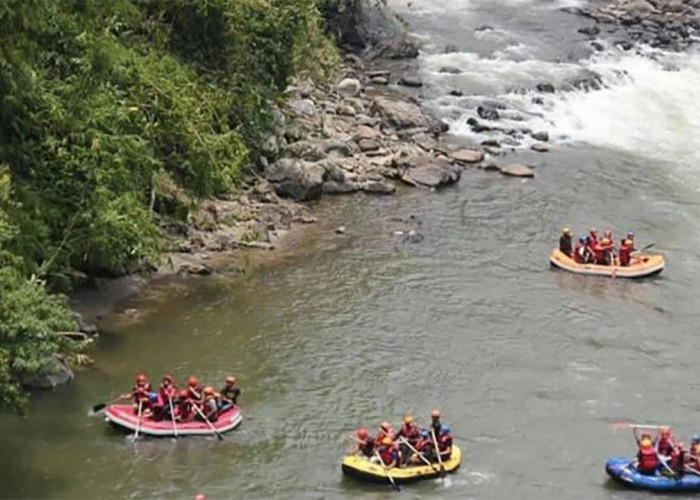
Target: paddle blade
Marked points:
443	473
99	407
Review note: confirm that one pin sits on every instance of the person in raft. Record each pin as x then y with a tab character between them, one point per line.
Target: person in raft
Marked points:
229	394
647	458
694	454
139	392
664	442
445	443
364	443
565	242
388	453
166	397
411	433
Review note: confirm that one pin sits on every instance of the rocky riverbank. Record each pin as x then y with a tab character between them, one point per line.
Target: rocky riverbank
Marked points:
667	24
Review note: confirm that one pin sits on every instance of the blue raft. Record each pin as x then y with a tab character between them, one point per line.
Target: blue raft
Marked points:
622	470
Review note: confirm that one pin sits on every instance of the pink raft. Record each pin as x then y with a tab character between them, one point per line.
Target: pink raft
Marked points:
124	416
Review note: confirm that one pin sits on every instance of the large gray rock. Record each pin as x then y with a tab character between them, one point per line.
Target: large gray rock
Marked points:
366	132
429	171
349	87
340	187
296	179
306	150
378	187
53	372
400	114
303	107
517	170
399	46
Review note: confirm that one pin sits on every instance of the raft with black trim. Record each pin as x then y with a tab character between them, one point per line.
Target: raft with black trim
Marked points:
361	468
642	266
123	416
623	471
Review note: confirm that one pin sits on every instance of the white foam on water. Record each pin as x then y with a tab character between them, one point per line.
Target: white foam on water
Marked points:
441	6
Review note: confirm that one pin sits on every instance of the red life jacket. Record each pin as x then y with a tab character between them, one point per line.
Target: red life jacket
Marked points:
444	442
410	432
624	255
664	447
599	253
381	435
387	454
677	459
577	252
648	461
166	393
141	392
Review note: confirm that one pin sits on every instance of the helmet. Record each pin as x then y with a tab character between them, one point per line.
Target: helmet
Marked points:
435	413
696	438
665	431
565	230
362	433
168	377
593	230
630	235
386	426
582	239
387	441
184	393
424	434
646	443
408	419
141	378
605	241
231	379
152	397
208	390
444	429
193	382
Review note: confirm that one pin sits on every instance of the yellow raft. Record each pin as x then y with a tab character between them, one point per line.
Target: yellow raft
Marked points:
361	468
641	266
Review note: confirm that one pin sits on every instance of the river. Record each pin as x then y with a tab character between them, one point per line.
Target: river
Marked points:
530	366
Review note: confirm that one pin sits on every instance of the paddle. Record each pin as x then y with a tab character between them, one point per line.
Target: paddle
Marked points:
422	457
101	406
386	470
437	452
630	425
647	247
172	415
138	423
218	434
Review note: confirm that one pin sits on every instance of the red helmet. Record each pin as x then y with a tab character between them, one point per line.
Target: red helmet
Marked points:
141	378
665	432
193	382
362	433
184	393
386	426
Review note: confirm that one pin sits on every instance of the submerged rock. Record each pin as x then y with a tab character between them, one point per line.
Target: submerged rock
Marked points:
467	156
517	170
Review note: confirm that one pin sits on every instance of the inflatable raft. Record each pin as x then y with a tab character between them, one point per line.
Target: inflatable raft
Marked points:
361	468
642	266
622	470
123	416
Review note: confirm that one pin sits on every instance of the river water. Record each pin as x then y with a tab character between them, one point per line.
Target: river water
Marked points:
530	366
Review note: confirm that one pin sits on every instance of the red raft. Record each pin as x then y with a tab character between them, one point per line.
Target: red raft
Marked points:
124	416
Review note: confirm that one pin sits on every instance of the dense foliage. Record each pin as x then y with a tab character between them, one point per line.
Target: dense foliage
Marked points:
114	114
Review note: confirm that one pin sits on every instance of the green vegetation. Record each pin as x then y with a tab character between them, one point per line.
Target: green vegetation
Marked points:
113	115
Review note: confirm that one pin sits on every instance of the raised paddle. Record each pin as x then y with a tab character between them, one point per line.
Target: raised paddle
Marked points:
218	434
138	423
437	452
394	484
172	415
647	247
422	457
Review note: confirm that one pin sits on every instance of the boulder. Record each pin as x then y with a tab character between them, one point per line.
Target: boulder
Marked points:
366	132
467	156
410	81
517	170
345	110
349	87
399	114
53	372
342	187
84	326
302	107
337	147
380	80
589	30
429	171
546	88
368	145
424	141
456	93
452	70
542	136
296	179
487	112
450	48
378	187
399	46
306	150
540	147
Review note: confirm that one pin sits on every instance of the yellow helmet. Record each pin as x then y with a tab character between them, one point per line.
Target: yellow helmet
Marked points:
408	419
387	441
605	241
565	230
435	413
646	443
